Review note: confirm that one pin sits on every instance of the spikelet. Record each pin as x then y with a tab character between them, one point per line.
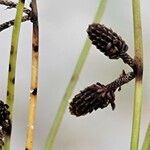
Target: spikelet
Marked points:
91	98
106	40
5	122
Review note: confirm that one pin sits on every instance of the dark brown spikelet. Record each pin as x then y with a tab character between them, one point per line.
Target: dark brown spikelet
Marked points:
5	122
91	98
106	40
2	137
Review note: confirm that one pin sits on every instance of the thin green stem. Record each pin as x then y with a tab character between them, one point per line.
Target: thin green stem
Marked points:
69	90
146	143
12	63
139	73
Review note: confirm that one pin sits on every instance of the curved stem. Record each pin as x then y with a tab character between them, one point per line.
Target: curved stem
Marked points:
123	79
12	63
69	90
127	59
139	74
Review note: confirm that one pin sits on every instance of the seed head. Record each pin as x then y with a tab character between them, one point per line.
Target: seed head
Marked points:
106	40
91	98
5	122
2	137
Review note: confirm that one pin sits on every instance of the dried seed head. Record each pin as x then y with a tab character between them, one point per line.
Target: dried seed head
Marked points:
106	40
2	137
5	122
91	98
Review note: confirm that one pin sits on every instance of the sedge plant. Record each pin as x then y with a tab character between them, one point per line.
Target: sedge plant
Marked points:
12	63
106	92
72	83
138	47
34	76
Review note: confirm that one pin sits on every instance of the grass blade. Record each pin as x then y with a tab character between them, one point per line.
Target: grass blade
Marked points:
146	143
69	90
12	63
138	46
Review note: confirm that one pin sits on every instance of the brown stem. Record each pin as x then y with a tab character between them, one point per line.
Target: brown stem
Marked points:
34	76
127	59
11	23
123	79
11	4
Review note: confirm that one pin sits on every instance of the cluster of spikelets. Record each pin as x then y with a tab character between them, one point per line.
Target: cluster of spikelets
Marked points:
91	98
5	123
98	95
107	41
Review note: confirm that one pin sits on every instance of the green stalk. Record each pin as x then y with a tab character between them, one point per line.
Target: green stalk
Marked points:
69	90
138	46
146	143
12	63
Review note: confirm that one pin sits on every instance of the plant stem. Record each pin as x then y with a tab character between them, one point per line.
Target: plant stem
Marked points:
138	46
11	4
10	23
146	143
69	90
12	63
123	79
34	77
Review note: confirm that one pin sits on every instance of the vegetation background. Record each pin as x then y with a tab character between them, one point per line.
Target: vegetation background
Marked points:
63	27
